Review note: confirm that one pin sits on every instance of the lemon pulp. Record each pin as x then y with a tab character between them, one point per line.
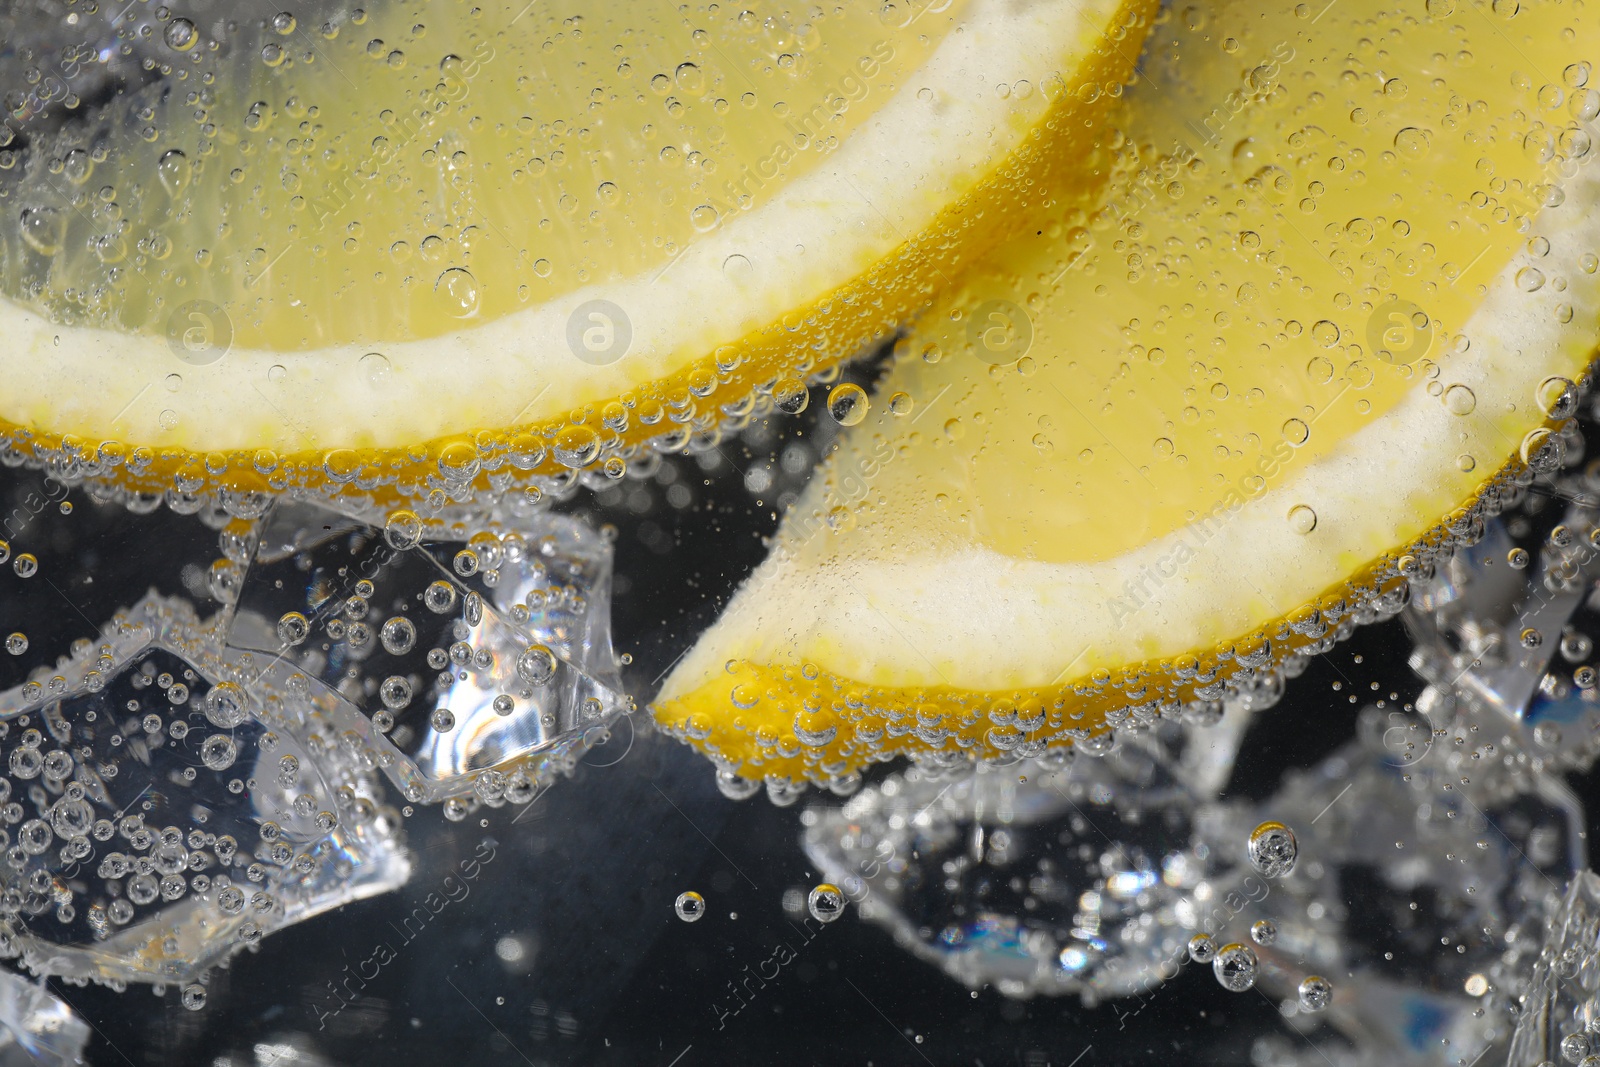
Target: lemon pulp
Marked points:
1167	438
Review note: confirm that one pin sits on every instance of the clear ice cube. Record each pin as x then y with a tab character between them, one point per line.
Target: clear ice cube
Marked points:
1560	1012
159	815
36	1027
1415	893
1498	646
1039	877
459	667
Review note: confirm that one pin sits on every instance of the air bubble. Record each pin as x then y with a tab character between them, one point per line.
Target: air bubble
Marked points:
395	692
790	396
17	643
226	706
690	906
180	35
375	368
1202	948
1316	993
459	292
403	530
439	597
174	171
1411	141
1557	397
218	752
536	665
293	628
1235	968
1273	849
1263	931
1459	400
398	635
848	404
825	903
703	218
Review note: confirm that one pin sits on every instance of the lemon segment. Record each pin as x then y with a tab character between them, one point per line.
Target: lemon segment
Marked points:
1343	273
378	239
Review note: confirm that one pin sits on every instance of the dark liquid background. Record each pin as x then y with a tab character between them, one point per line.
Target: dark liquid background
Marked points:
584	879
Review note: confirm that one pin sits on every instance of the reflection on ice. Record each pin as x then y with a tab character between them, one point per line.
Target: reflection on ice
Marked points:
1039	877
1501	646
1561	1007
461	668
1415	896
36	1028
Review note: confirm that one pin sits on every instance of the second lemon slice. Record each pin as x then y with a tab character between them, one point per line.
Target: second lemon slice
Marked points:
1181	432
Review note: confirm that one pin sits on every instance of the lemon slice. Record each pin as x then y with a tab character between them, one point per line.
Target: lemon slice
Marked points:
425	241
1179	435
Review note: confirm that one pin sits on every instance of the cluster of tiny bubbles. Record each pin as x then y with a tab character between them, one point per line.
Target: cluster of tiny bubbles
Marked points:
1272	849
1235	967
1316	992
690	906
825	902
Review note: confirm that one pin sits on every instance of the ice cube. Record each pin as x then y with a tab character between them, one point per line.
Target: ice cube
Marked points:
36	1027
1415	893
1500	646
460	667
159	815
1067	876
1560	1007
